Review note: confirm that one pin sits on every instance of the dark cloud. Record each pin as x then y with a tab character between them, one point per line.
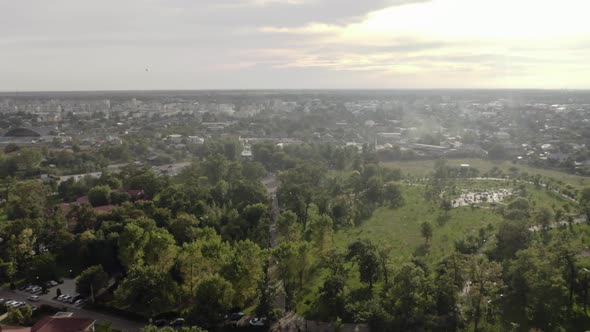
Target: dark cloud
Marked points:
285	13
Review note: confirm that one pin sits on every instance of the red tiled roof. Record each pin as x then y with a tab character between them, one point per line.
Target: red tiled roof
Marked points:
82	199
135	192
65	208
104	208
65	324
14	329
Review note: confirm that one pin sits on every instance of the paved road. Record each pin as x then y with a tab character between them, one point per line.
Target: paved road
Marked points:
562	223
117	322
271	184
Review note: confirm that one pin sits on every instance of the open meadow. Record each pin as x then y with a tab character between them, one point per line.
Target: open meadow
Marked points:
399	229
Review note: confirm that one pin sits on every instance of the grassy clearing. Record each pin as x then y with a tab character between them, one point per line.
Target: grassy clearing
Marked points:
400	229
424	167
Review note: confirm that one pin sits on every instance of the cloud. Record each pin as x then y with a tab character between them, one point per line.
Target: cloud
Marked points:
503	38
299	43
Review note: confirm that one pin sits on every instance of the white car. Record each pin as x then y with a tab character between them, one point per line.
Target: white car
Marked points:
18	304
33	298
258	321
10	303
61	297
80	302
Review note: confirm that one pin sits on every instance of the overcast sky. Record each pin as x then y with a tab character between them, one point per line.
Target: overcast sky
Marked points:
248	44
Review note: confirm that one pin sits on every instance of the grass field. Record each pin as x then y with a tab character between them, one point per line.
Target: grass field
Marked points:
400	229
424	167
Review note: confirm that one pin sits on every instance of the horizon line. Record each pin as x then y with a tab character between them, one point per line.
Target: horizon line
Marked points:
4	92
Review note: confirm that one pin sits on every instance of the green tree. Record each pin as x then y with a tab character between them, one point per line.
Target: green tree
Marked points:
393	194
511	237
537	287
485	287
99	195
118	197
244	271
184	227
202	258
287	227
321	231
409	299
147	181
143	243
26	200
518	209
364	253
426	231
28	159
585	202
147	290
331	299
374	190
132	241
294	261
21	316
43	268
213	300
91	280
543	217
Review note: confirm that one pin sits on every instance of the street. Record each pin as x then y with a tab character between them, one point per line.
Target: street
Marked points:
118	323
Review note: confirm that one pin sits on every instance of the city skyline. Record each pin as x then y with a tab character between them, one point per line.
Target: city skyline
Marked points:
293	44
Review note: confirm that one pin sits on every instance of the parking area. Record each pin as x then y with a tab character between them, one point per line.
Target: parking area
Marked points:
119	323
67	288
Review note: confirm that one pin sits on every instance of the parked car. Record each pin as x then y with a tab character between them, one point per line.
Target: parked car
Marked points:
64	297
161	323
18	304
235	316
2	301
75	298
258	321
61	297
33	298
178	322
9	303
80	302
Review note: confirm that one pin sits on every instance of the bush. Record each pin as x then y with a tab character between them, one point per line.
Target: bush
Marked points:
99	195
93	278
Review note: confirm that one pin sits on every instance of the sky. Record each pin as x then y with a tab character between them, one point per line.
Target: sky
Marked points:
293	44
